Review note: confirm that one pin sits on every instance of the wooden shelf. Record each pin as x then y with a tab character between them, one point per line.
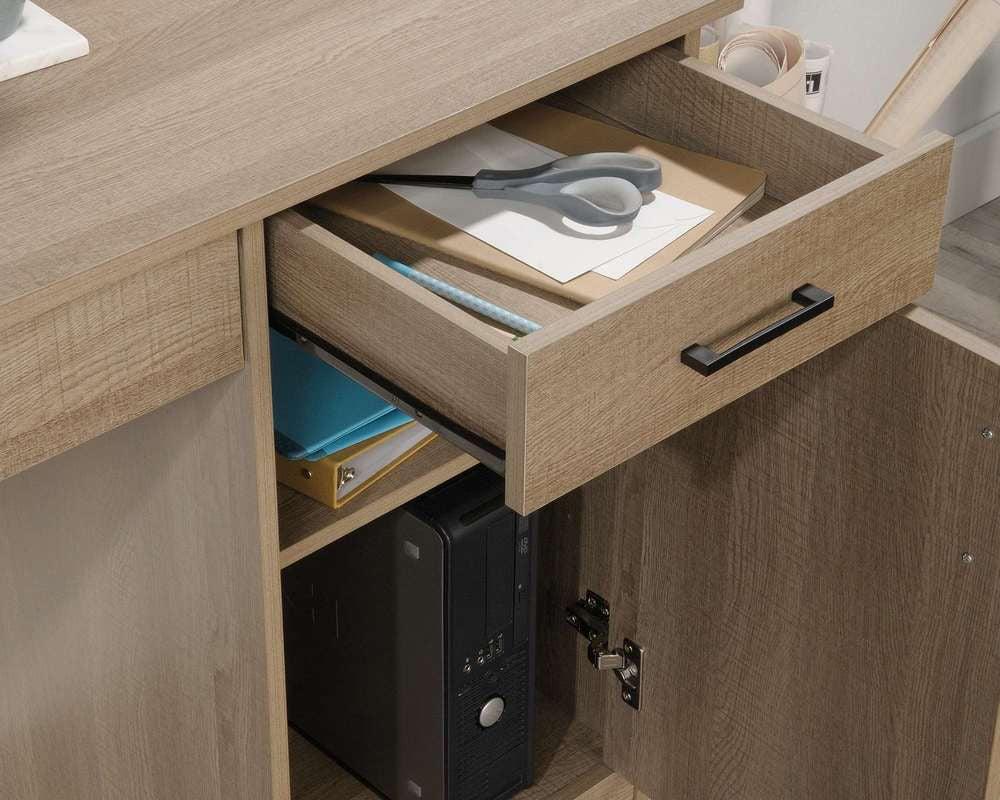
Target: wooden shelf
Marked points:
305	525
567	767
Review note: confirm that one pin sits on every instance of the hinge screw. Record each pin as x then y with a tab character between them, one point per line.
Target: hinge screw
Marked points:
605	612
628	649
967	558
986	433
591	602
571	619
627	695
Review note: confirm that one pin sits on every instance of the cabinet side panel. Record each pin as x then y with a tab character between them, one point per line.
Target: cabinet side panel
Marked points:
136	635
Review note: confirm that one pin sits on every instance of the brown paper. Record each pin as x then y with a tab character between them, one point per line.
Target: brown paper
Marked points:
709	182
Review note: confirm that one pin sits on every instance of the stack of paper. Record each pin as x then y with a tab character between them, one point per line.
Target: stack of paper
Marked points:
532	245
539	236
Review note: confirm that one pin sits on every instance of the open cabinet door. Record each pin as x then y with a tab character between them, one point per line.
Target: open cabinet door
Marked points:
814	573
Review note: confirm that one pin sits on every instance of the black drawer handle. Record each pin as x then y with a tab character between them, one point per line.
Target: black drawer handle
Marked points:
814	301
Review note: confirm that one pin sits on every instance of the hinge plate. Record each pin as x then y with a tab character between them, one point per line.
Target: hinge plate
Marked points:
591	616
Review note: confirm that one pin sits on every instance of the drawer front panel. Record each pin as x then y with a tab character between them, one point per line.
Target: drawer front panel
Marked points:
600	386
116	351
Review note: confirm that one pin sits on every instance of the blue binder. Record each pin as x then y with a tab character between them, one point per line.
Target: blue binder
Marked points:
317	409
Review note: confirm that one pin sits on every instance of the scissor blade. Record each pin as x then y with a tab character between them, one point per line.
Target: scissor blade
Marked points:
442	181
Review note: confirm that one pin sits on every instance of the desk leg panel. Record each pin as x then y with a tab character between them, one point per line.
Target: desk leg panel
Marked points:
137	616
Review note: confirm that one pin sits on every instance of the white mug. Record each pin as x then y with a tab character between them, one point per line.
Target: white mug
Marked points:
817	74
10	16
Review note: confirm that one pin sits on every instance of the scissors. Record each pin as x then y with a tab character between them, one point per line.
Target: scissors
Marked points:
593	189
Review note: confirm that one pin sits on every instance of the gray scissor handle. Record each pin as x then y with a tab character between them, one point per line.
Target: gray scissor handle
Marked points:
643	173
591	201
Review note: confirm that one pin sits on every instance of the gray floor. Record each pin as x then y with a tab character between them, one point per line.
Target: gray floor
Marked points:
967	287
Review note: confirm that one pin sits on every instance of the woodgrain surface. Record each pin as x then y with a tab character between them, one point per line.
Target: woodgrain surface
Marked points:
567	767
419	341
811	627
967	285
256	336
593	389
993	781
95	360
133	644
306	525
189	120
530	301
693	105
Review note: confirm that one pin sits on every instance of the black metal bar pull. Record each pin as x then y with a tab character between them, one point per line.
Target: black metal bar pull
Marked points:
814	301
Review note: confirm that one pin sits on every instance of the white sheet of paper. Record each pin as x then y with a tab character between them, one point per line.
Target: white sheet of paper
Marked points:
536	235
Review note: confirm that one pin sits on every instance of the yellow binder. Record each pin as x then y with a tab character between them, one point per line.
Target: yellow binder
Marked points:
341	476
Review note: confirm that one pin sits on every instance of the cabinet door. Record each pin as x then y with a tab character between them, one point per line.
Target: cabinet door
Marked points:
815	575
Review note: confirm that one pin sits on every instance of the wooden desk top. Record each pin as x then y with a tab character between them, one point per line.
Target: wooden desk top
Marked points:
195	117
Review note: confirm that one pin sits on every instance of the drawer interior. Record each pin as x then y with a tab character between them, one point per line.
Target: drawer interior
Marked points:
840	208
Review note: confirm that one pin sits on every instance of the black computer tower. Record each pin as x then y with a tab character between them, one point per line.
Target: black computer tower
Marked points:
410	646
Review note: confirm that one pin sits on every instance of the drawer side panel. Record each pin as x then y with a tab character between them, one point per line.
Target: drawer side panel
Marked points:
700	108
419	342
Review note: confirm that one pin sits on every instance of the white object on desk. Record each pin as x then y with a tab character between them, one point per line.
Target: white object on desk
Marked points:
536	235
40	41
817	74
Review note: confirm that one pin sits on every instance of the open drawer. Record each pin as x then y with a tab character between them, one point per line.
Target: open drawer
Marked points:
602	382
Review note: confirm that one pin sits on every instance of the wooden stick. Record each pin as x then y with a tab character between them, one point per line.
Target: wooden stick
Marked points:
966	33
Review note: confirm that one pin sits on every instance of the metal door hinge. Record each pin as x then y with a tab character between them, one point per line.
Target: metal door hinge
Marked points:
591	617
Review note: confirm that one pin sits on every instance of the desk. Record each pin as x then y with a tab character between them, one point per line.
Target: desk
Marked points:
140	620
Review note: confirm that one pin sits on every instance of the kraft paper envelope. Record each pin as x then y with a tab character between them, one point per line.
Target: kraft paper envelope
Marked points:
722	186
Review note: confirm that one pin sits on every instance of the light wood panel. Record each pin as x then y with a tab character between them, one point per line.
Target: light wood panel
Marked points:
970	27
593	389
117	350
529	301
256	337
693	105
306	525
993	781
567	767
967	284
137	633
611	787
810	624
190	120
423	343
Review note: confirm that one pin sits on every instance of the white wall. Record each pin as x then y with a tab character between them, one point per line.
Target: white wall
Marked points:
875	43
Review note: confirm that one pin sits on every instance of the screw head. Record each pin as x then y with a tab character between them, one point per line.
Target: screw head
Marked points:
627	695
987	433
591	602
307	474
571	619
967	558
628	648
605	612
